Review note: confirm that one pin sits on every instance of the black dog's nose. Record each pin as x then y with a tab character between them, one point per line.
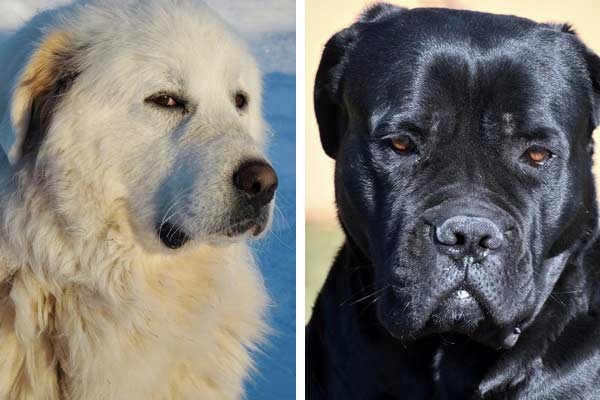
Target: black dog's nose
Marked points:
463	235
257	180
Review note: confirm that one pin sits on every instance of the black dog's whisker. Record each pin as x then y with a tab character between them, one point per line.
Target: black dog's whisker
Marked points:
367	296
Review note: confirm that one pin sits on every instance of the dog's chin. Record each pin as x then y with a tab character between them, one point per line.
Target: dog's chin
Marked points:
247	225
461	315
252	226
174	236
458	315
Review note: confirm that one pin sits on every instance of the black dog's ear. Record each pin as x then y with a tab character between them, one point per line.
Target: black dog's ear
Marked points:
593	66
378	11
329	109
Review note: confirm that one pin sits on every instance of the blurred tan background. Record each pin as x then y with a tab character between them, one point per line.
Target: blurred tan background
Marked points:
324	18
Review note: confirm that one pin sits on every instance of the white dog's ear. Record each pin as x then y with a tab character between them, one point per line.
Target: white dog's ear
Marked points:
48	74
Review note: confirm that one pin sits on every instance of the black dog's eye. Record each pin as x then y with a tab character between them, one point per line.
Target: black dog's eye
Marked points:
403	145
165	100
241	100
537	156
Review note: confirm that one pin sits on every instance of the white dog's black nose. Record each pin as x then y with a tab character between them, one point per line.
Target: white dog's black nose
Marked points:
257	180
463	235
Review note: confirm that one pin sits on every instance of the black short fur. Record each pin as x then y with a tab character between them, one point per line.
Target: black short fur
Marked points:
473	95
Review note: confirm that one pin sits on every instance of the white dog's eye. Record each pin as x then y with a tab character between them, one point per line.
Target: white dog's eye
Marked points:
241	100
167	101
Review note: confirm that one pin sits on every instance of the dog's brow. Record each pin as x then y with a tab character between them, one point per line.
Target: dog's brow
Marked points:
376	119
508	123
387	124
390	127
403	124
436	119
543	132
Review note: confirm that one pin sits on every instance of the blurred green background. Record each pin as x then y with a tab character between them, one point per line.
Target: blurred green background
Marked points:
322	243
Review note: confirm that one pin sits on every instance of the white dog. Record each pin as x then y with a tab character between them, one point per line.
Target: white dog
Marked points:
139	176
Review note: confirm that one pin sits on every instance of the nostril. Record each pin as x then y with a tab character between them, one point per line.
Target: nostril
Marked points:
492	242
484	242
449	237
255	187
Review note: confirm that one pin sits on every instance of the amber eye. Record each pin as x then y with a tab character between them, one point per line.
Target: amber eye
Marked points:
241	100
537	156
166	101
403	145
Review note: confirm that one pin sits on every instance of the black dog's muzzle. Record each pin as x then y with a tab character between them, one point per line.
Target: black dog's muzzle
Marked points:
471	245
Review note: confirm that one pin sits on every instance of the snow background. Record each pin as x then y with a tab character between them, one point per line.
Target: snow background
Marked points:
276	378
269	27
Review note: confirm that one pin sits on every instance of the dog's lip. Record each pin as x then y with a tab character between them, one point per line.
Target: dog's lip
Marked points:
456	311
239	227
460	300
172	236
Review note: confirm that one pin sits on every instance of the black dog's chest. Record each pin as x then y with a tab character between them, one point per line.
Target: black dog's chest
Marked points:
456	376
455	373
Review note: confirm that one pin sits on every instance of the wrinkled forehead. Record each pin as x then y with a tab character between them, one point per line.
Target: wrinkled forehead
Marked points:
189	48
521	81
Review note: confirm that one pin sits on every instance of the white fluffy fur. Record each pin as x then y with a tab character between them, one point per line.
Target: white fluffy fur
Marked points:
92	306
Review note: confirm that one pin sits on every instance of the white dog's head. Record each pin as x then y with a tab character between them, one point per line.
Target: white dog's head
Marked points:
151	106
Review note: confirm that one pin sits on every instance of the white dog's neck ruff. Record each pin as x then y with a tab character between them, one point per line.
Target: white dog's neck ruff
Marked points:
79	314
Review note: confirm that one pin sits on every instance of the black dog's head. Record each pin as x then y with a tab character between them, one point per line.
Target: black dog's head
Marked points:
463	155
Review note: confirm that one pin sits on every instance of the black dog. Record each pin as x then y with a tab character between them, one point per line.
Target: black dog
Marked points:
463	180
